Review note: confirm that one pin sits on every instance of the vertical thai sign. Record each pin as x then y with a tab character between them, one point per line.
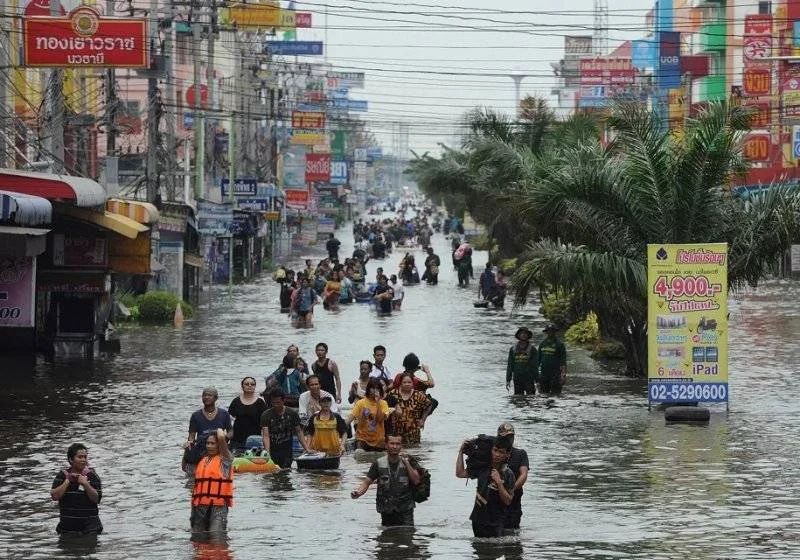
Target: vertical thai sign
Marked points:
757	41
318	168
669	60
687	322
17	282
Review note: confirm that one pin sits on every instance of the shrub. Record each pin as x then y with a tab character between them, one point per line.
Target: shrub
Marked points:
159	307
508	266
586	331
558	308
609	350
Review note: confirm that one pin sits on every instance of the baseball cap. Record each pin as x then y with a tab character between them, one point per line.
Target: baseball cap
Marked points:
505	429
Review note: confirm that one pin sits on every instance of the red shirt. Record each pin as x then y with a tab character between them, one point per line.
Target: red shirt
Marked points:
419	384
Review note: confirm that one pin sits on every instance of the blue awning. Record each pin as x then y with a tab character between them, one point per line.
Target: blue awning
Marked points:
24	209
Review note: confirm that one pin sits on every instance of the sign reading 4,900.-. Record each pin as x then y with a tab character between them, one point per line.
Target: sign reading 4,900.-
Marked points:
687	322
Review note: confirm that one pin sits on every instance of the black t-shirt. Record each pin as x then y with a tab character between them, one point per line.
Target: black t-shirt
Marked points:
327	380
281	427
519	458
247	419
78	512
385	305
489	509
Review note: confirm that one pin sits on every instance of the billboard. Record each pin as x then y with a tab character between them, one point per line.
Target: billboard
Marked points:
687	322
604	78
757	41
577	46
295	48
760	112
669	60
790	93
308	119
308	137
214	219
85	39
318	168
255	16
17	282
644	53
294	167
302	20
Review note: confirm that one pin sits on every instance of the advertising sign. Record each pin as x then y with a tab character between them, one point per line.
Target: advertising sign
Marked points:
214	219
85	39
758	147
302	20
576	46
308	137
295	48
757	41
352	80
265	14
669	60
355	105
687	322
260	204
790	93
17	282
318	168
308	119
795	146
338	143
41	8
603	78
338	173
326	225
79	251
374	154
756	81
294	167
760	112
242	187
297	198
644	54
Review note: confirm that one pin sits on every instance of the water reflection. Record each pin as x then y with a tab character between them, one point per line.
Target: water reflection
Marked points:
508	548
208	547
401	543
77	546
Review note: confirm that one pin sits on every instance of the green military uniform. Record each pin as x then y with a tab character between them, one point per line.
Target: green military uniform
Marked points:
522	368
552	356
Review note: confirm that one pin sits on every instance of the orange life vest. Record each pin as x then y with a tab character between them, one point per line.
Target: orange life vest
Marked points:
211	486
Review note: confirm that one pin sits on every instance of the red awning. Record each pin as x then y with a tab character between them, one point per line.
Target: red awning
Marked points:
66	188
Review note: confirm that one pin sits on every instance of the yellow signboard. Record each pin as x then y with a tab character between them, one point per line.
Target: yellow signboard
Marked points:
308	138
687	322
259	16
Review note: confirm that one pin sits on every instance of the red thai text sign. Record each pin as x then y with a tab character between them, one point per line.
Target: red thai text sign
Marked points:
84	39
757	147
308	119
757	42
756	81
318	168
302	20
297	198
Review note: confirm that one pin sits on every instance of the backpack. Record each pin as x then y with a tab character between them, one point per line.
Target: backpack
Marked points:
421	491
479	452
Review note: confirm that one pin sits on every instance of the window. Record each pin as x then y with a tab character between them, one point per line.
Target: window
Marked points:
765	8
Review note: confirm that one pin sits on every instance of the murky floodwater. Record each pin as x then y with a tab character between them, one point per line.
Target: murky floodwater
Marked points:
608	478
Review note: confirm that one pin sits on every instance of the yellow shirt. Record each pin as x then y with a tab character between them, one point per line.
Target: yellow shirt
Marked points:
326	436
367	429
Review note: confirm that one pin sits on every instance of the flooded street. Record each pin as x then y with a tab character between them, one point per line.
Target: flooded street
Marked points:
608	478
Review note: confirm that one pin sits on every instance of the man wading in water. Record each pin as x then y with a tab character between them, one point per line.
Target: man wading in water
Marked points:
396	478
523	364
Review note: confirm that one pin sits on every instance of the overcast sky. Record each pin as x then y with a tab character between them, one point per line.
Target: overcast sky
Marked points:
420	57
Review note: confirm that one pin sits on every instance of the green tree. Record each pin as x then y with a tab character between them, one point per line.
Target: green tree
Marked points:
598	207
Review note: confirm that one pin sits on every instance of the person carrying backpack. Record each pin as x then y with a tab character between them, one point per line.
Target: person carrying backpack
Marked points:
401	484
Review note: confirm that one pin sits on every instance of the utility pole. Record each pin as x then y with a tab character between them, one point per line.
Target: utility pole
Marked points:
169	115
153	114
209	127
54	130
112	161
199	130
6	115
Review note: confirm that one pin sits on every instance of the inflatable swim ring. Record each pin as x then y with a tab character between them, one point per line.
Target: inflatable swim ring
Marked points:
257	461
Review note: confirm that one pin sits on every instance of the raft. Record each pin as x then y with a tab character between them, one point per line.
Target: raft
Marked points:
316	461
256	461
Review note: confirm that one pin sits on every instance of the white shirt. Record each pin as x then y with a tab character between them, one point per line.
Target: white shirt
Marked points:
306	406
399	292
377	373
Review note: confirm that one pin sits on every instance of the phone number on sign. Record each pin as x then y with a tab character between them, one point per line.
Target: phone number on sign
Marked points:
690	392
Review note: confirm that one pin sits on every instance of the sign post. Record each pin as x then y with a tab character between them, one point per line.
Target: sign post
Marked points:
687	323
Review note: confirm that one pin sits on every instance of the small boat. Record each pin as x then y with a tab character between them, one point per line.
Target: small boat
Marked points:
316	461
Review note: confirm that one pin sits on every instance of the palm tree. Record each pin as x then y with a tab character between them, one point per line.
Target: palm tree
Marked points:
600	206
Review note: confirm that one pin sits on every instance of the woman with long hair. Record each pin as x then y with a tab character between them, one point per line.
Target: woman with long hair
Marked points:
246	410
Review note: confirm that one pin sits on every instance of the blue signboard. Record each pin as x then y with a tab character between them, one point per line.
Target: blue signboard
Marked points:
338	172
669	60
295	48
644	54
188	120
355	105
338	93
374	154
242	187
796	35
214	219
260	204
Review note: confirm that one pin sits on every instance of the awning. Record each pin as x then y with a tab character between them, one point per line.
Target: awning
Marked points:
108	220
193	260
22	242
24	209
76	190
142	212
